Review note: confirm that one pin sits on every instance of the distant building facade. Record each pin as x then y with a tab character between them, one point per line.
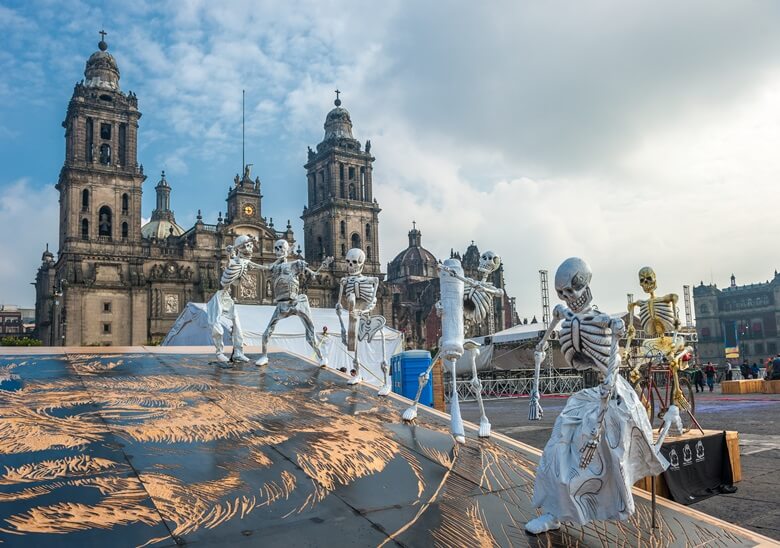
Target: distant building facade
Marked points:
15	321
746	317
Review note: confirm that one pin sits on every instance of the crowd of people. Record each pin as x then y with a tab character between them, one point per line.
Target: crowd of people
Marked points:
709	372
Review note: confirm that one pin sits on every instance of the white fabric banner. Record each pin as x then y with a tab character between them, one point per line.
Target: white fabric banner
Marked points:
192	329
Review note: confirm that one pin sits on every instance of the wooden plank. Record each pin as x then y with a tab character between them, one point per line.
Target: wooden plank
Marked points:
732	441
751	386
771	387
438	387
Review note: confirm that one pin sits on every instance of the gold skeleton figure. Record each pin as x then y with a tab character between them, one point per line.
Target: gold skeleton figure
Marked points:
658	316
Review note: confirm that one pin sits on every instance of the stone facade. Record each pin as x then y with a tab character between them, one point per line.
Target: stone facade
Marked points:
746	317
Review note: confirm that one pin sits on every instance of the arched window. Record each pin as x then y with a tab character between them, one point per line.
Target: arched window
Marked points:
368	252
125	203
356	240
104	222
368	231
352	194
85	199
105	154
343	250
84	229
124	231
343	228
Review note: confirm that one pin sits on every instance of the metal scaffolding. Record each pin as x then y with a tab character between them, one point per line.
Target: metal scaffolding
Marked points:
688	311
495	389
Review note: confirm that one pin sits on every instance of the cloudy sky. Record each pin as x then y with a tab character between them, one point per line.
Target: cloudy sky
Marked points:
628	133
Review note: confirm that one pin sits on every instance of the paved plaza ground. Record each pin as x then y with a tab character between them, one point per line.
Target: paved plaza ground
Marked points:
755	505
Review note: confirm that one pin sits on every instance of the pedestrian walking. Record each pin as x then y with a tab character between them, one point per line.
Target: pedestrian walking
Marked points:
698	378
744	370
709	372
728	370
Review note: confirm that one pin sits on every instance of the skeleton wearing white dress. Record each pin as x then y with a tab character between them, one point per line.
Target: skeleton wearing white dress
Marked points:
222	304
288	299
359	293
477	305
602	442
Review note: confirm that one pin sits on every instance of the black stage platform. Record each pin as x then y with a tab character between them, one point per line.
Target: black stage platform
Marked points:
146	449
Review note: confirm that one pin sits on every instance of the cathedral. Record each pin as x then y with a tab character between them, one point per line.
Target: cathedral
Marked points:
117	282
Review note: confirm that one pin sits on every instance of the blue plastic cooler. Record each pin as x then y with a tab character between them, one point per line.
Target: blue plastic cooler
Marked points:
406	368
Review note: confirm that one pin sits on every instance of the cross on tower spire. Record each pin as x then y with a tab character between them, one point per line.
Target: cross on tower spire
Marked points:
337	102
102	34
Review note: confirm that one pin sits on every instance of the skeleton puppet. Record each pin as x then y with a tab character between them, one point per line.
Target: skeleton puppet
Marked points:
658	316
476	306
602	442
221	304
288	300
359	292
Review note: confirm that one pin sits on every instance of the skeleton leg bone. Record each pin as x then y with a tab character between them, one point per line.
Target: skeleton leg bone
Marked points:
542	524
411	413
456	424
217	334
385	389
355	360
484	423
263	359
238	339
308	325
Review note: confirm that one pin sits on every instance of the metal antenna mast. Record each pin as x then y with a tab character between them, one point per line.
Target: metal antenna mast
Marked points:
688	310
243	132
546	315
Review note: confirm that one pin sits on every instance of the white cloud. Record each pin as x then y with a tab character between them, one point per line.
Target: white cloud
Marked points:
26	213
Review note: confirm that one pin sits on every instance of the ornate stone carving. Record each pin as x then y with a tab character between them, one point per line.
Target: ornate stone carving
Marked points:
171	303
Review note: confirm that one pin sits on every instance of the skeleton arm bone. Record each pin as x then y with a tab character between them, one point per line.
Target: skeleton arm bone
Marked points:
606	389
535	410
324	264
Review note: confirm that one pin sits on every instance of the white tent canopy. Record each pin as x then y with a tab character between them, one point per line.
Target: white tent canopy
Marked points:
519	332
192	329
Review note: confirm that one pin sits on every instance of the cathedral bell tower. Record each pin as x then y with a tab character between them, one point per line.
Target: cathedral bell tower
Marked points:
100	182
342	212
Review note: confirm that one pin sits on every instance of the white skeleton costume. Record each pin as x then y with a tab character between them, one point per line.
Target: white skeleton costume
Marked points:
602	442
222	304
288	299
476	306
359	291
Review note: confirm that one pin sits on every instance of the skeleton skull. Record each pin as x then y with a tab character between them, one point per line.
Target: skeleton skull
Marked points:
245	245
355	259
647	279
281	249
572	283
489	262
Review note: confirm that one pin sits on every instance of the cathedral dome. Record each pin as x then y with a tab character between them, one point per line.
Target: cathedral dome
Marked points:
414	261
102	71
338	123
161	229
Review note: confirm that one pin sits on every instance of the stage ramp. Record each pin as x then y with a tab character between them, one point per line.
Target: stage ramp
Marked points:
158	447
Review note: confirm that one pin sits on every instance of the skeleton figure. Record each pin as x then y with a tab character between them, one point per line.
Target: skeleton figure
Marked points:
222	304
658	316
478	298
602	442
288	299
359	293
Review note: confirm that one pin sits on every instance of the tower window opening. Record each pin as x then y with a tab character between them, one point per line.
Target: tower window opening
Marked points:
125	204
84	229
342	189
343	250
343	228
90	143
363	186
105	154
368	231
105	131
351	172
85	199
124	231
106	98
341	172
356	240
368	252
352	192
104	222
320	248
122	144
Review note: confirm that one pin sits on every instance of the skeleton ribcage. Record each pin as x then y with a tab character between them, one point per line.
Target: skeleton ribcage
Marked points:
663	312
476	305
234	271
585	344
363	290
